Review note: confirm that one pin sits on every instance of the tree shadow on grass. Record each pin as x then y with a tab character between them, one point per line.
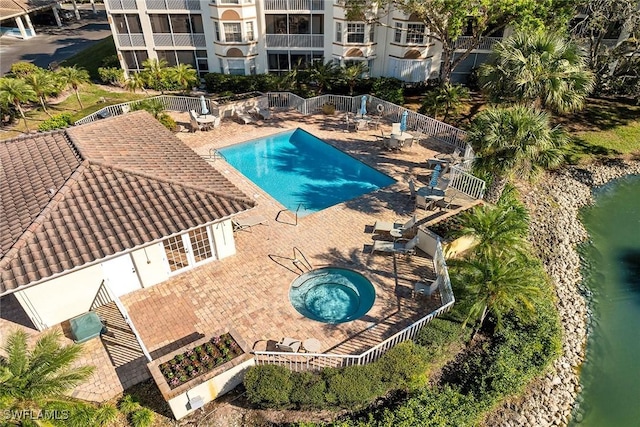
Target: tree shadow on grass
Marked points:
578	148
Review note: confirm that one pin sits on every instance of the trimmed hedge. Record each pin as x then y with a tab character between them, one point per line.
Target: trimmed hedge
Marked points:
59	121
272	386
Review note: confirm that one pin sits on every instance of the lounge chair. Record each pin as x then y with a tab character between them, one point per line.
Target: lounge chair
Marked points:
425	287
401	246
361	125
447	201
387	227
289	344
244	117
348	122
194	122
245	224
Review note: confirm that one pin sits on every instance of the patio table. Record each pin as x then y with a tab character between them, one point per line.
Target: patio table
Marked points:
206	119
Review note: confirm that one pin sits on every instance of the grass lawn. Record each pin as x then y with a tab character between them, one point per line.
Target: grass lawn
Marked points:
93	58
91	96
605	128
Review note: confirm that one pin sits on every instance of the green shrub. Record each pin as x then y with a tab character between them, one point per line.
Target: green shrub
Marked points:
58	121
128	404
110	61
142	417
355	385
23	68
168	122
308	389
268	385
111	75
389	89
403	364
439	334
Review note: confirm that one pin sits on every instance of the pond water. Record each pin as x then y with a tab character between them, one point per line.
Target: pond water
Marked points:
611	374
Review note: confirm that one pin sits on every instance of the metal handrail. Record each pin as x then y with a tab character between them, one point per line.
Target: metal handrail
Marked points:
305	262
214	155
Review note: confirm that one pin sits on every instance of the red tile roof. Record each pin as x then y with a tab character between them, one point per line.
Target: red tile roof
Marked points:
73	197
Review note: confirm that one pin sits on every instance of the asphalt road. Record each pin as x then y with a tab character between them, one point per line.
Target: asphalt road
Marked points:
53	43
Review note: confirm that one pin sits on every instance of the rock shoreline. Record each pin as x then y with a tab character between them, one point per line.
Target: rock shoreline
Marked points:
555	232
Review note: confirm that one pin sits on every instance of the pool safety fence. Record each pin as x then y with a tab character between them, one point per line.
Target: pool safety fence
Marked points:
316	361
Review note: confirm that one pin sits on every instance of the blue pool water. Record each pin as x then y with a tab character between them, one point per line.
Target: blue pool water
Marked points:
332	295
296	168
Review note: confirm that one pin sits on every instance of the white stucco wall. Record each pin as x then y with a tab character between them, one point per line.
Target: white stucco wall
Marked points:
61	298
151	264
223	239
210	390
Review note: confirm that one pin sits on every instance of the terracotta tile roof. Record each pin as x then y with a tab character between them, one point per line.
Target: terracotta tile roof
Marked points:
66	200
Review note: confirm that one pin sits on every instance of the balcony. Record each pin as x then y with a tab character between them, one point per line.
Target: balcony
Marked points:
486	43
295	40
129	40
294	5
173	4
179	40
121	4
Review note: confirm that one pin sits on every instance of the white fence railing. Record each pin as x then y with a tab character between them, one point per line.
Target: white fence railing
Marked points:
466	183
486	43
316	361
122	4
294	40
173	4
293	4
170	102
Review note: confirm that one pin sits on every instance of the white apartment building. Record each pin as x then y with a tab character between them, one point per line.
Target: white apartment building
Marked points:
269	36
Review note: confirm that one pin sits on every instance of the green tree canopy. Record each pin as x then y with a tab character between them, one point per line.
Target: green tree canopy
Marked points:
517	141
498	285
184	75
447	20
73	77
16	92
44	83
542	70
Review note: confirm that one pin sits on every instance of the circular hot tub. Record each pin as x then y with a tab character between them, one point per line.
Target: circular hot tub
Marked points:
332	295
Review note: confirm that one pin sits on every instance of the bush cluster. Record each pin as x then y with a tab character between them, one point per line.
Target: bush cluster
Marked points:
111	75
387	88
273	386
58	121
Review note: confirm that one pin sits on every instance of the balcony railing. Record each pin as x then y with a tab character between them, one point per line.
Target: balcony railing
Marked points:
168	39
121	4
294	5
486	43
295	40
128	40
173	4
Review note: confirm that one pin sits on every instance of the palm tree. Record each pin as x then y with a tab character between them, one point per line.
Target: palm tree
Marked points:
155	73
497	230
74	77
324	75
16	92
497	285
37	378
353	74
540	70
184	75
516	141
135	81
44	84
447	98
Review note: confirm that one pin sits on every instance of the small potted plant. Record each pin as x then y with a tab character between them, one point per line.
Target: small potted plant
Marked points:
329	109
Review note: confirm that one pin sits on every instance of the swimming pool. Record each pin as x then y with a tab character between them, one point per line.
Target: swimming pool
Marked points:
332	295
299	169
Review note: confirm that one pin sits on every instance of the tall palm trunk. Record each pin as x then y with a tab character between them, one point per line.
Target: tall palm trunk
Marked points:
496	188
19	107
44	106
75	89
480	323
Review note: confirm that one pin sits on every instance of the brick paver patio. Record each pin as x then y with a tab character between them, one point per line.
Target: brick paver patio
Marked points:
249	291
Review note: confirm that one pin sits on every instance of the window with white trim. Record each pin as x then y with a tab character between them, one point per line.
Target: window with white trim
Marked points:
372	33
339	32
232	32
250	33
398	34
217	28
415	33
355	32
252	66
236	66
